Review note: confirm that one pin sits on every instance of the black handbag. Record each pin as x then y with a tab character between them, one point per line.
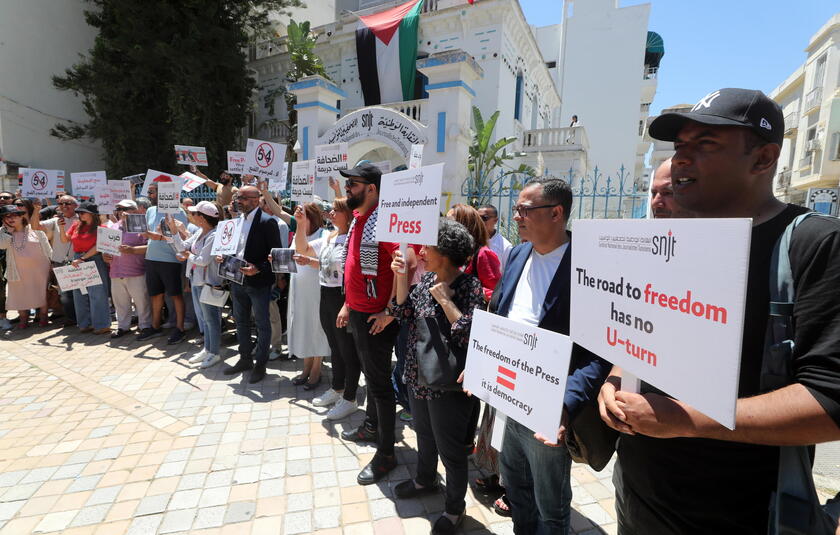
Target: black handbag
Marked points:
438	363
589	440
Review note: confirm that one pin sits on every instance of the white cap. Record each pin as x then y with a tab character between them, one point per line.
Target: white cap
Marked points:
127	203
206	208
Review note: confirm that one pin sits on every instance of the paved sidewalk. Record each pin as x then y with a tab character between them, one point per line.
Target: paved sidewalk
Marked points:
111	438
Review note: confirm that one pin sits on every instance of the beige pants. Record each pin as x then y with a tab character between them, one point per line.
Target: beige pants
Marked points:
276	325
127	289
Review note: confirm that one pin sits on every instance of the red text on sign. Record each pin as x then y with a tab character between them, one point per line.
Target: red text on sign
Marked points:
403	227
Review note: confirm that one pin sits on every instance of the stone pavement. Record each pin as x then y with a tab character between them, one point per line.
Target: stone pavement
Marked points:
111	438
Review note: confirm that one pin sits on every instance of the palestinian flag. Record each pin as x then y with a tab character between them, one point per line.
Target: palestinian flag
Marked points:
386	46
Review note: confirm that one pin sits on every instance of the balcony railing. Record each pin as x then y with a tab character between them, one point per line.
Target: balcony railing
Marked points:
791	121
783	180
650	73
805	162
555	139
412	108
813	99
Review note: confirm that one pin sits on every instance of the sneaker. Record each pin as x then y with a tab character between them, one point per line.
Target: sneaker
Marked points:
274	355
198	357
210	360
168	325
119	333
342	409
5	325
149	332
327	398
406	416
176	337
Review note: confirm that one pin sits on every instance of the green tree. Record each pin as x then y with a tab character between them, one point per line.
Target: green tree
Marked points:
163	72
486	165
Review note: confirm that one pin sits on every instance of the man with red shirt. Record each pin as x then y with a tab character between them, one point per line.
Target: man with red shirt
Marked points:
368	282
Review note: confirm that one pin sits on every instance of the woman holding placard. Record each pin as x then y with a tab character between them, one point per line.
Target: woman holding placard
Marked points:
92	310
306	336
27	252
439	314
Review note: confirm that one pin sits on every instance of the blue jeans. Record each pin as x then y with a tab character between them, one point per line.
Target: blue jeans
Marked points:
92	310
400	389
537	482
209	320
195	292
247	299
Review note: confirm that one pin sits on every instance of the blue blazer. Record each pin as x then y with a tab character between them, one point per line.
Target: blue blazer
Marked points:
587	371
263	236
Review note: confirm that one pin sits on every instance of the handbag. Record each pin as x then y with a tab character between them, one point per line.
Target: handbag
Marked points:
588	439
216	297
439	363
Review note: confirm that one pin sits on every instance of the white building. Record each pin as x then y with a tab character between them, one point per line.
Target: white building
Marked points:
810	100
41	38
487	55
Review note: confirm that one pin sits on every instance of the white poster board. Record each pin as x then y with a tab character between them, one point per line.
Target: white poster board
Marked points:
169	197
104	199
264	159
84	184
409	206
276	185
156	177
108	241
519	369
303	181
236	162
329	160
415	159
188	155
39	183
120	190
191	181
664	300
72	278
226	239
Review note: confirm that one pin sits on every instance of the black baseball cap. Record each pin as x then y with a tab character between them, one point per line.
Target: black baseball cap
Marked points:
88	208
727	107
10	209
365	170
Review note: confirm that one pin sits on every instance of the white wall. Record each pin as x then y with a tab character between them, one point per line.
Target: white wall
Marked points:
41	38
602	79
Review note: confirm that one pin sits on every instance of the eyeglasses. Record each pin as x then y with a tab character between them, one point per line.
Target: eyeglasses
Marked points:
248	197
523	210
66	203
352	183
6	198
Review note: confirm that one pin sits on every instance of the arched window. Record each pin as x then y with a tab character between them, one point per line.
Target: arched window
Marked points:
517	105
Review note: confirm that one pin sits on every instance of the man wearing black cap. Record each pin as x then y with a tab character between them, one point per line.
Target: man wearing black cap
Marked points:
706	478
368	281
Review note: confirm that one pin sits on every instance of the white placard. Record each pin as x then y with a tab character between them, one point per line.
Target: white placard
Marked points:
108	241
276	185
330	159
409	206
40	183
264	159
664	300
191	181
104	199
303	181
84	184
156	177
384	166
72	278
120	190
188	155
415	160
519	369
169	197
236	162
226	239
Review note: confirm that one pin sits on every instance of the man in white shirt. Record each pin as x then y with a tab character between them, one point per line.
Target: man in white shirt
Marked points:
497	243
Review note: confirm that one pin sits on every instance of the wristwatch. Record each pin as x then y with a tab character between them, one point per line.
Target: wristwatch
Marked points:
388	311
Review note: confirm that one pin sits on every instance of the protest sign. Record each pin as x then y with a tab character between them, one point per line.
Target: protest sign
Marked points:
409	206
120	190
278	184
188	155
103	198
84	184
108	241
664	300
264	159
40	183
415	160
191	181
303	181
226	240
282	260
169	197
156	177
135	179
136	223
519	369
77	278
236	162
329	160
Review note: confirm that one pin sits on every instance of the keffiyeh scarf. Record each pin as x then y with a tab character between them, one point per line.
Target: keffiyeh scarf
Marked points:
368	252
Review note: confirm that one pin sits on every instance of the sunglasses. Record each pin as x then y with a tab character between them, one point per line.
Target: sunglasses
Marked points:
352	182
66	203
6	198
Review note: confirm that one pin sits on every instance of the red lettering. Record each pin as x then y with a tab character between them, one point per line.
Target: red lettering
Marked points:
403	227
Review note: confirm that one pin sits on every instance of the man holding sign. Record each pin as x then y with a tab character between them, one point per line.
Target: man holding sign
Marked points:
534	290
706	478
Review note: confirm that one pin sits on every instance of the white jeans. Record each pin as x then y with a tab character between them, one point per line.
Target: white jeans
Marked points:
123	291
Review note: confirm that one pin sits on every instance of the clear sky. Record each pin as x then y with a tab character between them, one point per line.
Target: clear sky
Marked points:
711	44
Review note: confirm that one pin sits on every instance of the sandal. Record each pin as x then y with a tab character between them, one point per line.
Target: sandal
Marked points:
310	385
300	379
502	506
489	484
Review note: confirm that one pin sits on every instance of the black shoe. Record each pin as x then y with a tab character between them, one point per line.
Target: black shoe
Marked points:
241	366
360	434
444	526
257	375
119	333
149	332
376	469
176	337
311	386
407	489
